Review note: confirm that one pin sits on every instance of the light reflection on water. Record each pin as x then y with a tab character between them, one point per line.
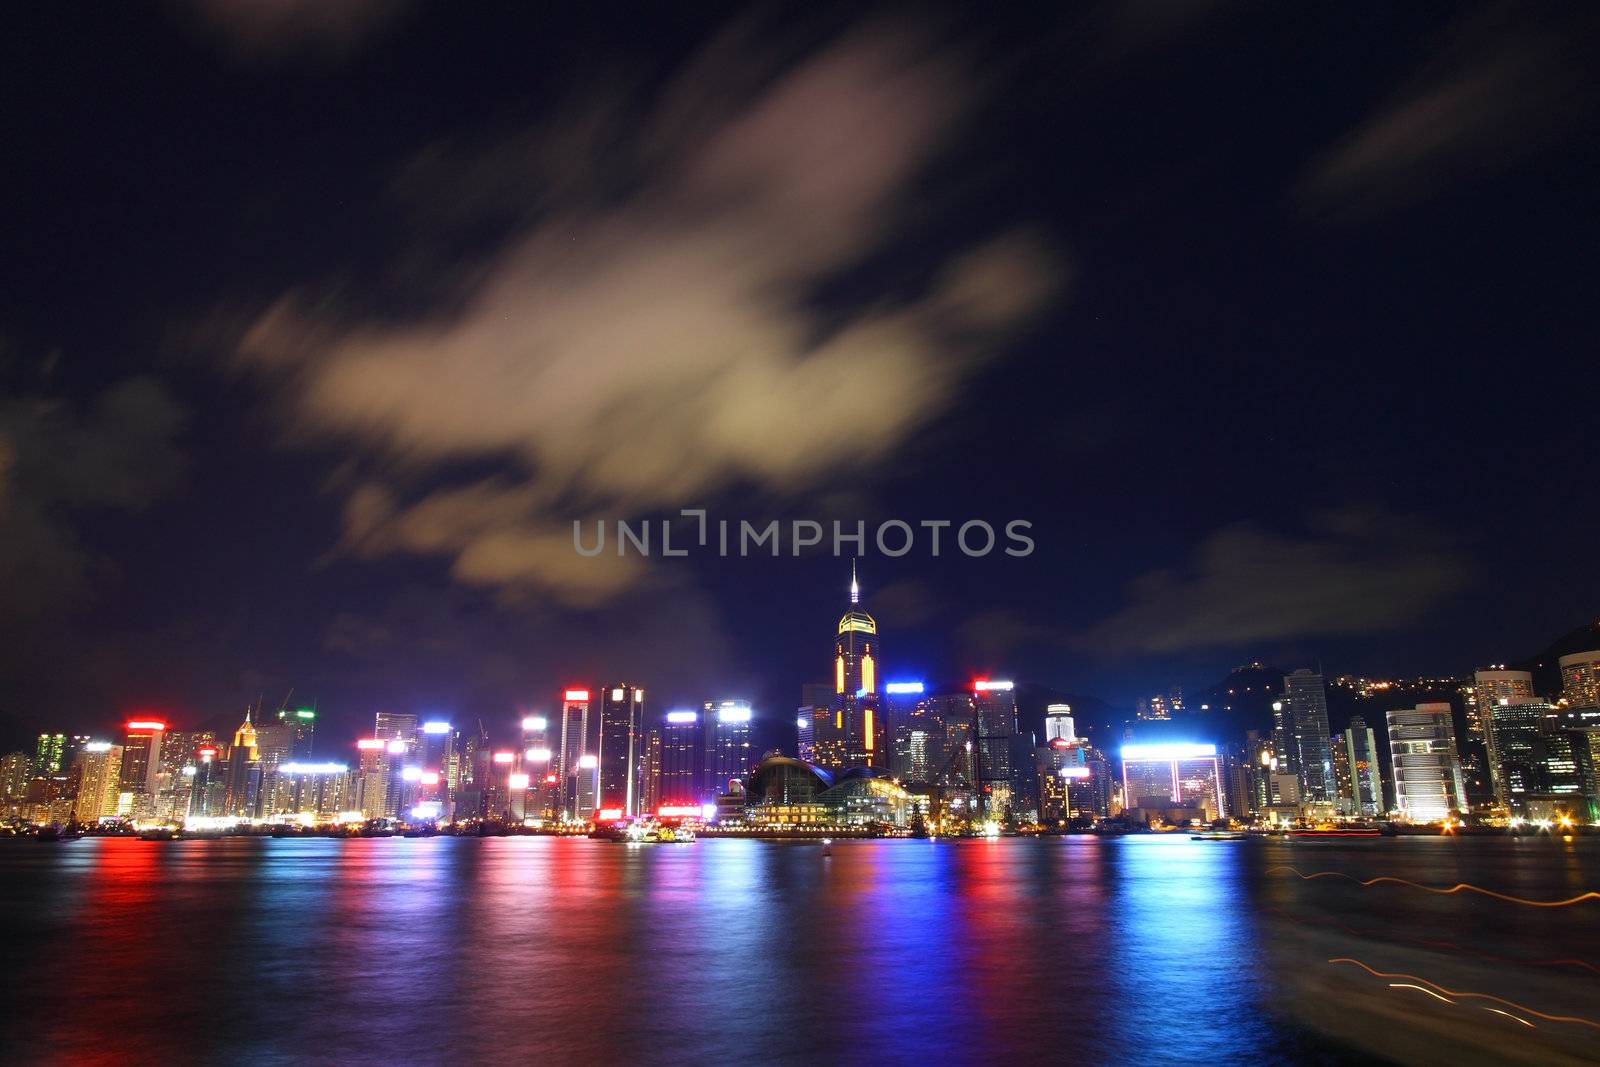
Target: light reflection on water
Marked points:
1135	950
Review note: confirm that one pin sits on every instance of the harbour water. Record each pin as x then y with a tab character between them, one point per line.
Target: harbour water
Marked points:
1144	949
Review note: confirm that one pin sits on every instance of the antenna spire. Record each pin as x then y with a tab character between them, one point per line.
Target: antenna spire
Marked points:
855	589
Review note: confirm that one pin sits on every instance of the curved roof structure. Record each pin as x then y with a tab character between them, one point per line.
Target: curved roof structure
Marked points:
859	621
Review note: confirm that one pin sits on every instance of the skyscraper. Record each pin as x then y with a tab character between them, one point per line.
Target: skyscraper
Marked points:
861	738
1366	777
301	726
48	754
650	772
394	726
680	780
1489	689
728	753
141	755
621	733
244	771
1519	772
1058	723
574	746
1427	769
995	716
1580	679
1307	711
99	765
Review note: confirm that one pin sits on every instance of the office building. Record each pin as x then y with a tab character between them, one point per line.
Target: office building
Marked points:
301	726
1183	776
1058	723
372	777
394	726
1306	702
98	765
1580	679
621	733
1427	769
49	755
650	772
1360	747
994	707
141	756
1489	689
728	754
681	783
570	753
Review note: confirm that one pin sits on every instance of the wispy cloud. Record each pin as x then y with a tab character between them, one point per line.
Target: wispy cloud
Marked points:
1498	87
1352	571
265	28
665	339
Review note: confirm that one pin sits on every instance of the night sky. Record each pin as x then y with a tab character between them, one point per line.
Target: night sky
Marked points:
320	324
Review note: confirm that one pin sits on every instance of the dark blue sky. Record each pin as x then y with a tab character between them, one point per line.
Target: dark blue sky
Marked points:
320	328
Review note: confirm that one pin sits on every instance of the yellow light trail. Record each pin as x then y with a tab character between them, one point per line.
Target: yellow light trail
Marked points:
1420	989
1457	888
1508	1015
1464	993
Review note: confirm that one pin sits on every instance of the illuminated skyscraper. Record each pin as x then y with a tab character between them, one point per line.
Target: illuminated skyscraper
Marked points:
1307	712
99	767
141	756
995	716
681	778
1427	770
574	746
372	777
244	771
394	726
1058	723
650	772
49	754
858	721
1360	747
1174	775
621	735
728	753
300	725
1580	679
1516	725
538	762
1488	690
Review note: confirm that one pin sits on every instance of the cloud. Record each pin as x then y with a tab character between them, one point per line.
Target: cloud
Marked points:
260	28
664	338
1501	86
1355	571
56	461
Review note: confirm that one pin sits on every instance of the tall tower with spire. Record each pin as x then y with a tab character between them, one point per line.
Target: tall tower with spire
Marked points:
856	736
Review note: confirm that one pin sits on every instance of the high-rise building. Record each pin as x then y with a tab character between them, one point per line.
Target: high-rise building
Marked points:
1360	747
729	757
573	747
208	786
1580	679
1157	776
49	754
1307	712
621	734
1427	769
680	780
994	706
99	769
862	735
301	727
394	726
538	762
141	756
372	777
1488	690
650	772
1058	723
244	771
16	768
